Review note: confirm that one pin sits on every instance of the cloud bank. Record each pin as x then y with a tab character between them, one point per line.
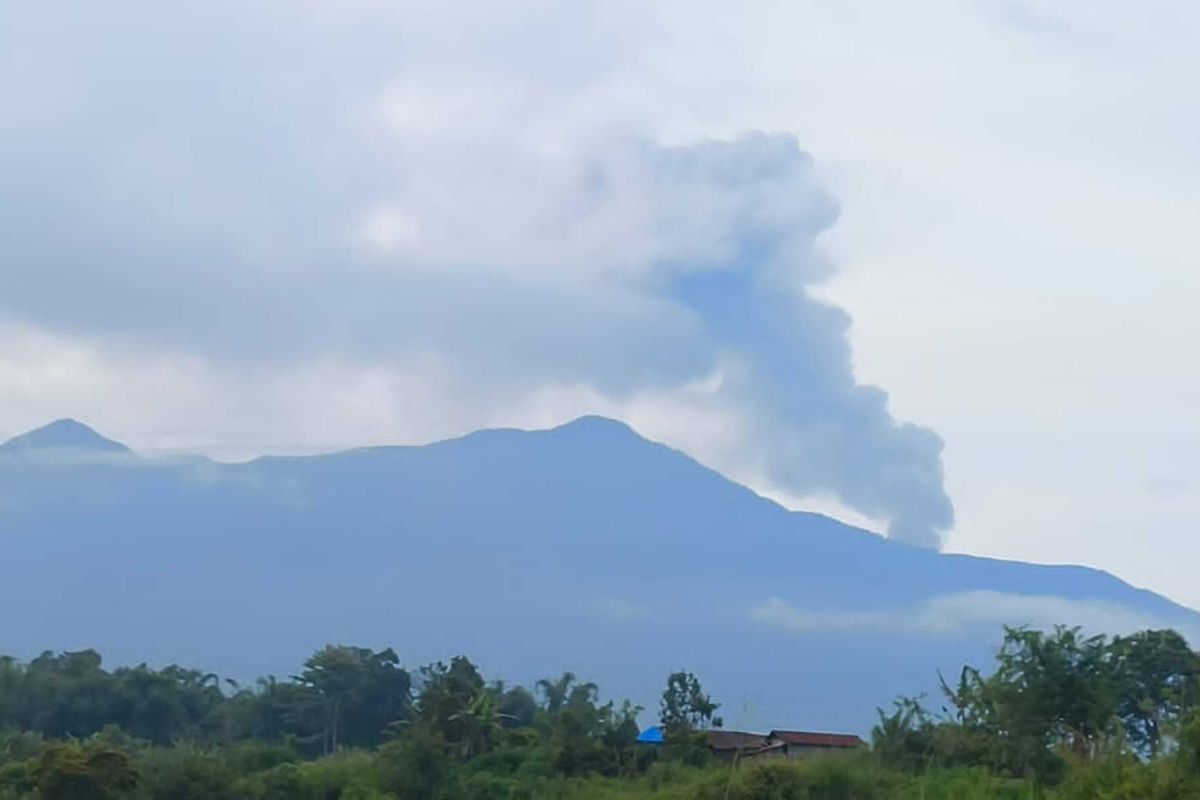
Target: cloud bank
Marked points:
959	612
421	221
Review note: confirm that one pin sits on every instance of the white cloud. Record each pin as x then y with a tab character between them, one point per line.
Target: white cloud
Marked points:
388	229
955	613
344	228
1015	243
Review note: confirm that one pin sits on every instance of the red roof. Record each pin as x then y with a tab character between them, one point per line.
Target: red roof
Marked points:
809	739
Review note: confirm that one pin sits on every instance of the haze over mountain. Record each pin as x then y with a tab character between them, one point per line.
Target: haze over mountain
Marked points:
585	547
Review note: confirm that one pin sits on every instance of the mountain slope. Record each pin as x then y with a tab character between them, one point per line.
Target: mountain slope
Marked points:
584	547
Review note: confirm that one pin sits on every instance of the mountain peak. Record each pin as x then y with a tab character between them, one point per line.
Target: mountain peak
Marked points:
63	434
596	423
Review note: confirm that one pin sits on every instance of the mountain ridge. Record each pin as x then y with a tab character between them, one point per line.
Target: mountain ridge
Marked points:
70	434
585	547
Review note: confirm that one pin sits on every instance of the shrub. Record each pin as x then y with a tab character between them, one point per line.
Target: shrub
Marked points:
821	778
187	773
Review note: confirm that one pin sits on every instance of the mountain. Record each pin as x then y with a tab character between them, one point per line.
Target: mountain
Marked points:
584	547
62	435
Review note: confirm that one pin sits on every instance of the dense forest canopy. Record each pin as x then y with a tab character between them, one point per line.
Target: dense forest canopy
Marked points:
1060	714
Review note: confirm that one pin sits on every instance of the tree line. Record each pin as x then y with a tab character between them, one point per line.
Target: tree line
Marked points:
69	724
1059	715
1053	698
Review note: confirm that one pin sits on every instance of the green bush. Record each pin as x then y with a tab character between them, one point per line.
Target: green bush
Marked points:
187	773
17	779
415	766
819	778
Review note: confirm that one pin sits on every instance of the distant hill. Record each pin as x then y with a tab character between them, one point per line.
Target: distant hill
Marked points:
585	547
62	435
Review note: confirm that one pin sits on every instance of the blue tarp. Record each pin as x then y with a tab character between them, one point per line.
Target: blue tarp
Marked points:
651	736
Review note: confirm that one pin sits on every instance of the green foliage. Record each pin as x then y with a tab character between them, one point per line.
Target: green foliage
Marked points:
833	778
1061	717
69	771
415	765
685	707
284	782
71	695
685	712
1155	675
1055	698
558	692
904	739
583	735
454	705
18	780
187	772
355	694
16	746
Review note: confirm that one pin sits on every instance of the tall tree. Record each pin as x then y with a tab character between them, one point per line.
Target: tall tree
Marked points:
362	693
448	702
1056	687
1156	682
685	706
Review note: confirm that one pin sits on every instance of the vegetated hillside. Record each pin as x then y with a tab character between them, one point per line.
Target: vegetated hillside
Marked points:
581	547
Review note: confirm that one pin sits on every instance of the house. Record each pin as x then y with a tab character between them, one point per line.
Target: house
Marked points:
741	745
738	745
803	743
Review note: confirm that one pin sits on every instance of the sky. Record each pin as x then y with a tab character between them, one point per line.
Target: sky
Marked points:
927	267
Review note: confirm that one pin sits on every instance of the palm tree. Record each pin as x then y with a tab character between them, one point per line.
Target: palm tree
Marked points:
564	691
479	723
554	692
